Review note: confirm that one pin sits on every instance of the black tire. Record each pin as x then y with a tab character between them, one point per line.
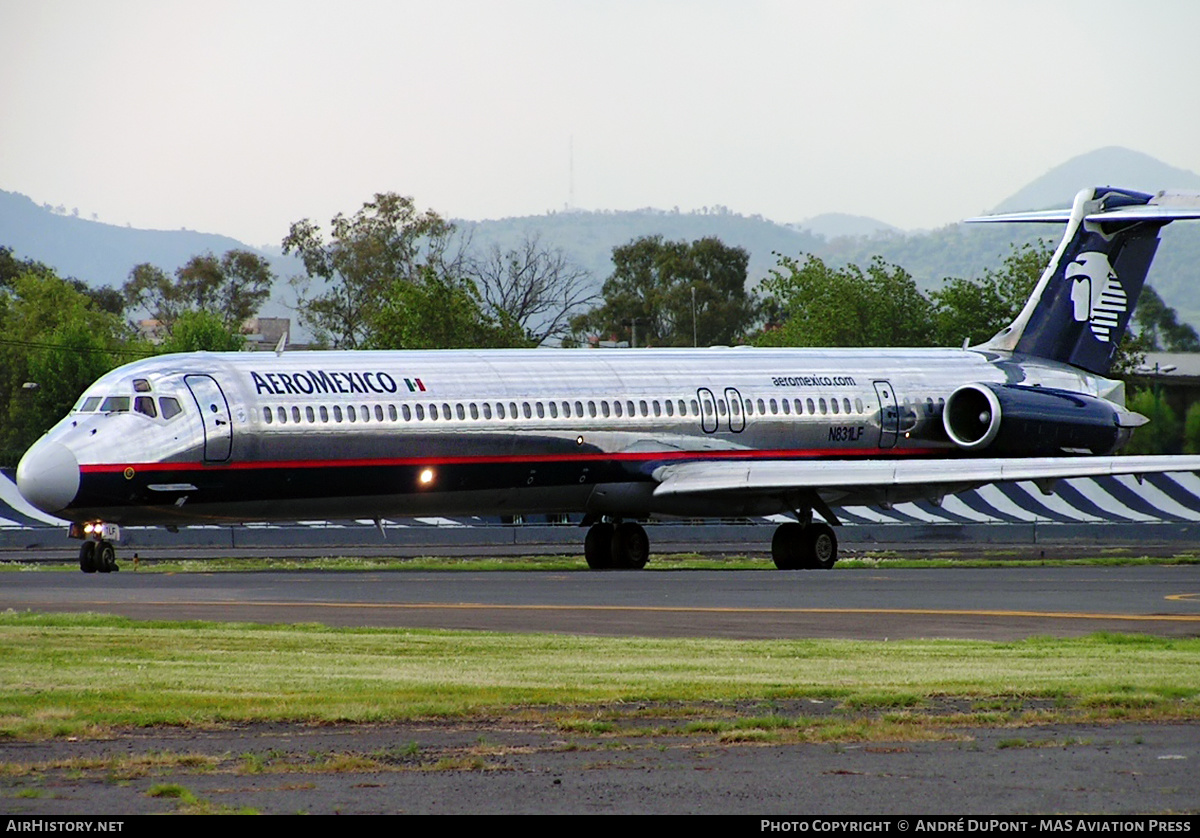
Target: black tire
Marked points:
87	557
630	546
787	546
597	546
822	546
106	557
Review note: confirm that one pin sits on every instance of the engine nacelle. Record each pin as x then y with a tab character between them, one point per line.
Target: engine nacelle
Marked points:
1011	420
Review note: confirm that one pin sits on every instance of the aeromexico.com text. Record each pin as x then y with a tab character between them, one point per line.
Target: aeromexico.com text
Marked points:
812	381
319	381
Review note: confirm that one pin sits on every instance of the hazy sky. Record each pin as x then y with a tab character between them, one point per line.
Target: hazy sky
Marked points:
242	117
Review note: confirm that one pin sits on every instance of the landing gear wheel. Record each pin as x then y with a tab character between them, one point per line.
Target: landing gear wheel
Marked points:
87	557
597	546
106	557
787	546
630	546
795	546
822	546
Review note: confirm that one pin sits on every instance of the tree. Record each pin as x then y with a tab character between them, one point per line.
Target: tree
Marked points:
196	331
975	310
57	342
1160	326
535	287
673	294
438	312
824	306
385	241
1164	433
232	288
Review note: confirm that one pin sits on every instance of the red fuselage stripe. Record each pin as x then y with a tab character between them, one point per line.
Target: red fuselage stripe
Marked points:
642	456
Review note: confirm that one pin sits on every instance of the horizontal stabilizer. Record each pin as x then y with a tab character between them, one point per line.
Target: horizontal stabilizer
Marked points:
1165	206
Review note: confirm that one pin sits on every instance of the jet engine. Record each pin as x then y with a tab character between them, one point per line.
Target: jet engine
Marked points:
1012	420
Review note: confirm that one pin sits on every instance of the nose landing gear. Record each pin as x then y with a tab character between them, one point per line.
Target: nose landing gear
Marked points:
97	553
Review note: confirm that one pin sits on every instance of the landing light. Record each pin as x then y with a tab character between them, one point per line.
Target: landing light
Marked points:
426	477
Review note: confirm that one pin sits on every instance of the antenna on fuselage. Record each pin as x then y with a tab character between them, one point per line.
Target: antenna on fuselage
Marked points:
279	347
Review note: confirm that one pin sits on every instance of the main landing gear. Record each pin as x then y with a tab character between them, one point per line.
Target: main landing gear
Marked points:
622	546
804	546
625	546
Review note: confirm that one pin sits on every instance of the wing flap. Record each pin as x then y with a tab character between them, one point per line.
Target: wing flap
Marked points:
784	475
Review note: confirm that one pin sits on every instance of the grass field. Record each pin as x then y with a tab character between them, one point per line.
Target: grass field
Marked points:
68	675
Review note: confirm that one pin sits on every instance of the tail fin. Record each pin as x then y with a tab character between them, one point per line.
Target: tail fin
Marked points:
1081	306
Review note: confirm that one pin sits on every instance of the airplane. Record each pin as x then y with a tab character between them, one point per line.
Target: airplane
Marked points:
622	436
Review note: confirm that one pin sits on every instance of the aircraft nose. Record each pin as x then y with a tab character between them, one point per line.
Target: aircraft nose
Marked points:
48	476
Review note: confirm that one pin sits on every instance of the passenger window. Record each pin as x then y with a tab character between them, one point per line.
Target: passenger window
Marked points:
295	414
527	411
603	409
787	408
762	407
420	412
391	413
433	414
512	410
579	409
500	410
309	415
169	406
446	414
592	409
351	413
824	409
458	409
487	411
846	405
324	413
642	406
337	413
833	404
774	407
541	411
474	411
629	409
281	415
669	405
809	404
617	411
554	409
267	417
406	412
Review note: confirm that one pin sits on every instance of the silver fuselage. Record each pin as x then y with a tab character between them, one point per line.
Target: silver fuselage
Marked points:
326	435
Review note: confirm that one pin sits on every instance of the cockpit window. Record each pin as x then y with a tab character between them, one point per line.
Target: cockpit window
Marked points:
170	407
89	404
141	385
145	405
115	404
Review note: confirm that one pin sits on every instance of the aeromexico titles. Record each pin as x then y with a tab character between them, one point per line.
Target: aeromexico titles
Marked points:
621	436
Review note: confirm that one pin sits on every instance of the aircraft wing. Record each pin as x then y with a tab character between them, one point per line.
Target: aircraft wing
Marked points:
771	476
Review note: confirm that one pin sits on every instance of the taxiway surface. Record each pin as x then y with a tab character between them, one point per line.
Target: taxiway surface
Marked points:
992	604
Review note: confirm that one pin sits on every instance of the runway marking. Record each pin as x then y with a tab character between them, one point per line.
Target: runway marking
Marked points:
1182	597
680	609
